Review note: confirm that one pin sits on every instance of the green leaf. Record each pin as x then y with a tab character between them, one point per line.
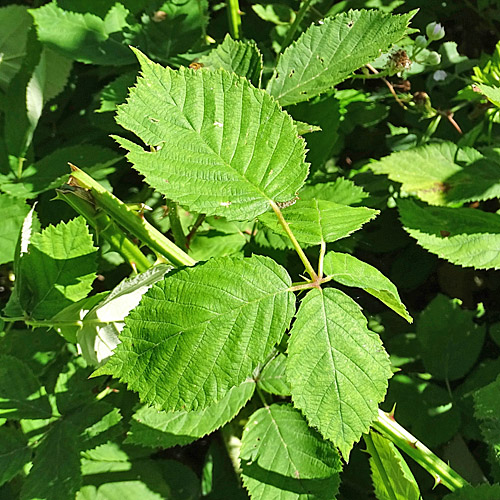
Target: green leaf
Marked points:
330	52
284	458
203	330
14	211
491	93
159	429
316	221
15	22
450	339
58	268
52	170
338	369
242	58
116	92
463	236
56	468
481	492
342	191
83	37
389	470
350	271
272	379
431	173
306	128
102	325
221	146
21	395
486	406
14	453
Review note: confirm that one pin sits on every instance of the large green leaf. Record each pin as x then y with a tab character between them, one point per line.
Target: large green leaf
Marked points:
328	53
449	337
431	173
14	211
57	269
242	58
219	145
203	330
284	458
463	236
21	395
14	453
316	221
15	22
160	429
392	478
83	37
338	369
56	468
350	271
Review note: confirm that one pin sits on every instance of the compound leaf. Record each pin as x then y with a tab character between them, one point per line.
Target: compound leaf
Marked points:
58	268
21	395
338	369
160	429
284	458
317	221
350	271
220	146
203	330
463	236
242	58
330	52
387	462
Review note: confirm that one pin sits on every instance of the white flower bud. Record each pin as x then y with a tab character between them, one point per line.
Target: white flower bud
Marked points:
434	31
421	42
433	59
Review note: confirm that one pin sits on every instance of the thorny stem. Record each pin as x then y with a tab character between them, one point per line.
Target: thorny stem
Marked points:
389	85
372	450
440	471
295	243
234	18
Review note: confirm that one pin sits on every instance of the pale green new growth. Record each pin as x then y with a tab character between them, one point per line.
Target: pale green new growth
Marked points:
463	236
316	221
350	271
491	93
216	144
203	330
282	457
160	429
337	368
328	53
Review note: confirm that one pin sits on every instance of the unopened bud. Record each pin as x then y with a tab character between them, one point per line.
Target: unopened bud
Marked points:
434	31
421	42
433	59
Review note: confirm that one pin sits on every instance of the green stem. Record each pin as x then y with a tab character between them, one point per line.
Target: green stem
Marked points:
261	396
105	227
290	34
322	252
130	221
175	225
441	472
296	245
234	18
372	450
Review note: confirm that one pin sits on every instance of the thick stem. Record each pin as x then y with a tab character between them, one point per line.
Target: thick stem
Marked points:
129	220
234	18
372	450
298	248
440	471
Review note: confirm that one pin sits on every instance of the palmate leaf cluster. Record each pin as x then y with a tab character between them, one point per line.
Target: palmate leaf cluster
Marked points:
267	333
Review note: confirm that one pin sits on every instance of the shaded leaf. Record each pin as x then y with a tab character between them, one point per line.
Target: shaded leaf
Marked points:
350	271
160	429
284	458
13	213
463	236
272	379
14	453
481	492
216	146
203	330
328	53
315	221
338	369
